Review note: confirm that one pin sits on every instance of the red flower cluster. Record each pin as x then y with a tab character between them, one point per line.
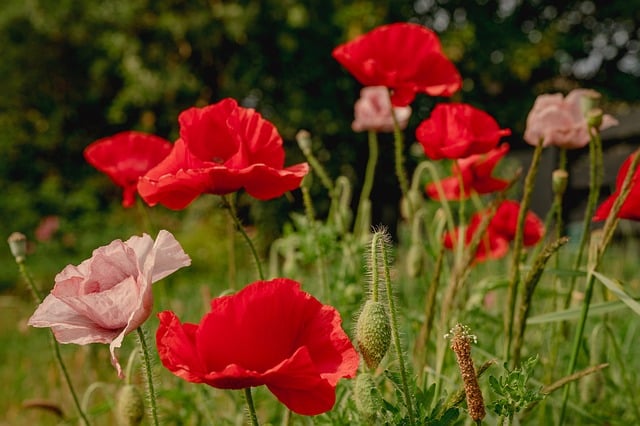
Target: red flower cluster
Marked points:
631	206
222	148
270	333
501	230
125	157
458	130
475	175
406	58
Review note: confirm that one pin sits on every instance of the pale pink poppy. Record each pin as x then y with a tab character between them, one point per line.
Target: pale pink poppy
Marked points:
560	121
109	295
373	111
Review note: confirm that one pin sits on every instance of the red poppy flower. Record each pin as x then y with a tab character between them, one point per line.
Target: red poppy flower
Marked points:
631	206
406	58
222	148
458	130
474	172
270	333
125	157
501	230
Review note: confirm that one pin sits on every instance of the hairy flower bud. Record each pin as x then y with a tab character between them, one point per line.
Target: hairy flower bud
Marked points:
129	406
559	180
367	397
373	333
18	246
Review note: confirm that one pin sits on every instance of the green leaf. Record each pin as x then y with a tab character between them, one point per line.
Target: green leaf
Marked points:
574	313
616	289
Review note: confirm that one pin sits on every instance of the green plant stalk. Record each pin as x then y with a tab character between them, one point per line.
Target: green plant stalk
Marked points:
146	364
369	176
514	280
526	296
374	265
253	417
229	206
595	180
310	213
433	172
607	233
398	140
395	332
55	346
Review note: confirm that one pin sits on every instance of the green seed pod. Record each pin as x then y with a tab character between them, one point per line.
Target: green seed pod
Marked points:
373	333
129	406
367	397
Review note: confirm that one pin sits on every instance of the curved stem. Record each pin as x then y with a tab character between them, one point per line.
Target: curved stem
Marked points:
250	407
232	212
55	346
395	330
146	362
398	140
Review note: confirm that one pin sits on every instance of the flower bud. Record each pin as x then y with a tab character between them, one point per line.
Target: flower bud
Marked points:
559	180
594	118
414	260
589	101
373	333
367	397
303	137
18	246
129	406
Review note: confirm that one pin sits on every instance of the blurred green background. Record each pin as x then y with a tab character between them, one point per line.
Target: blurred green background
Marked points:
73	71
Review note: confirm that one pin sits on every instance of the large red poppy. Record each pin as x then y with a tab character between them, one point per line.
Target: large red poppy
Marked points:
501	231
457	130
631	206
475	175
222	148
270	333
406	58
125	157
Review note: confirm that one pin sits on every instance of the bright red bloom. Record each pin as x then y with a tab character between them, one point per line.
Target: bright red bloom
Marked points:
475	174
458	130
270	333
406	58
631	206
125	157
501	230
222	148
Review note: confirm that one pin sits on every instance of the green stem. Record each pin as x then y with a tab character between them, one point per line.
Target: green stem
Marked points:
369	175
395	330
229	206
250	407
398	140
320	264
146	362
55	346
514	280
607	234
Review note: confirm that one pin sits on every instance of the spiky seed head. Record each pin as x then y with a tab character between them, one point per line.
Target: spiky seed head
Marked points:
129	406
367	397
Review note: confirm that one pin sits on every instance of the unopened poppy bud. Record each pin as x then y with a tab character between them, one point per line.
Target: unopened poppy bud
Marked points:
18	246
303	138
129	406
414	260
594	118
410	203
367	397
559	180
373	333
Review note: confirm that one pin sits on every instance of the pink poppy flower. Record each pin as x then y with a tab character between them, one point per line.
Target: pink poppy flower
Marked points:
222	148
458	130
126	156
109	295
475	174
373	111
269	333
406	58
631	207
560	121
